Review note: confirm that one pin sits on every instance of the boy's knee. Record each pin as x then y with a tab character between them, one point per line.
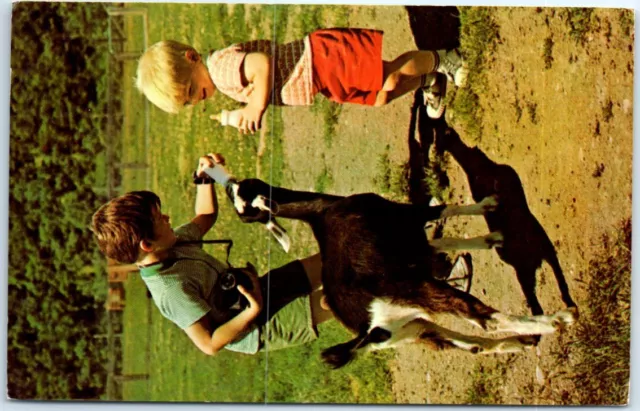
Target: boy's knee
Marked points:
392	81
382	98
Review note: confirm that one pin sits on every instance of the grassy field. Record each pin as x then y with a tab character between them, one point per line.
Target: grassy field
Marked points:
177	370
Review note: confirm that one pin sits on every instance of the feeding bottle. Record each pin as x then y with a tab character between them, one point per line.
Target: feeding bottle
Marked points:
228	118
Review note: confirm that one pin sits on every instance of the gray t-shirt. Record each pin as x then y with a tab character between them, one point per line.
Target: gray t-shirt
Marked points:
182	287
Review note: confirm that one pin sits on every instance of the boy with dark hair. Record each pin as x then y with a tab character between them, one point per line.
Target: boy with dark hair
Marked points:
185	281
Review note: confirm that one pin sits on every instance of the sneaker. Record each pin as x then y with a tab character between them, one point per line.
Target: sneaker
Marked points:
461	273
433	95
453	66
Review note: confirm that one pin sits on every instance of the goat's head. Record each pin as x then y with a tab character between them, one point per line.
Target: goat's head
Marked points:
251	200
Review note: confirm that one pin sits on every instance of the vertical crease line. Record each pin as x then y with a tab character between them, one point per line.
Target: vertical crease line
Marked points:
269	241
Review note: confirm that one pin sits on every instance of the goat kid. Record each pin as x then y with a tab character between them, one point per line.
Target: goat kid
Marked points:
376	271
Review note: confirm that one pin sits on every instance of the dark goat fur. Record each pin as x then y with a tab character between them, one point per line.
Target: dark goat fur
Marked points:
372	249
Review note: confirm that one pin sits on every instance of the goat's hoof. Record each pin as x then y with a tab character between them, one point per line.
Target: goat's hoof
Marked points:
490	203
494	240
564	318
574	311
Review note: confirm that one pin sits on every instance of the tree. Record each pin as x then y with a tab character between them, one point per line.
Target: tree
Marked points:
54	309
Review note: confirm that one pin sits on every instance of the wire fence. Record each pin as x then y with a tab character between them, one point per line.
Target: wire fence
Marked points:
119	54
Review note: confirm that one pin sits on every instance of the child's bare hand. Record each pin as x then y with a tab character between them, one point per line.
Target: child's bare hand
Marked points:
250	119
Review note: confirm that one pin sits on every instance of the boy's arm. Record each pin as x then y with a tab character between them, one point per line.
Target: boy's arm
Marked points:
206	207
257	71
206	199
209	343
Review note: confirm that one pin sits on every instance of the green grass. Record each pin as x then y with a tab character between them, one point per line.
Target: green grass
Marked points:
153	345
601	340
487	382
478	38
101	170
579	22
436	181
323	181
330	113
391	179
297	375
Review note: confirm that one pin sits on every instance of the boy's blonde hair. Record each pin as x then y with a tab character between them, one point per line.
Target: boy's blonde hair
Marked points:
163	74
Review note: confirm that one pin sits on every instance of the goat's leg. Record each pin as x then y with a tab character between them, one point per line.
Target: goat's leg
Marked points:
430	213
486	205
422	331
486	242
438	297
537	324
442	338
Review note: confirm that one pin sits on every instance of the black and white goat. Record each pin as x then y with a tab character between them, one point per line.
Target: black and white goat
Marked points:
376	271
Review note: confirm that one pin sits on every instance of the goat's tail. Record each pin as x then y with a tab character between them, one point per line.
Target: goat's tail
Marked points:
340	355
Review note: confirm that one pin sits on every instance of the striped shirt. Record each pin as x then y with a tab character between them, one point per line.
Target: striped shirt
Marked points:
182	287
292	70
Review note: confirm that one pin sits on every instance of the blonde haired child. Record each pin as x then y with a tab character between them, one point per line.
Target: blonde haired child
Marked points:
343	64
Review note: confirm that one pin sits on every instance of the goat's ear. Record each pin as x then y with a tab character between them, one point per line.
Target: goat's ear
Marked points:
280	234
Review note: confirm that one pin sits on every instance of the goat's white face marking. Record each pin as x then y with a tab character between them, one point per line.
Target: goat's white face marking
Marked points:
238	202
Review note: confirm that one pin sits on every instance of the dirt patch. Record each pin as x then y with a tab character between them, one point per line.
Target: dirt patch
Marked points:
556	110
362	134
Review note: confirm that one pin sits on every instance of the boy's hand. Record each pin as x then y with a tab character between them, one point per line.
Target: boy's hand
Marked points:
254	296
250	119
209	161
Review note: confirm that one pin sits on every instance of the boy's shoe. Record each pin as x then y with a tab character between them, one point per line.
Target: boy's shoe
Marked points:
453	66
461	273
433	95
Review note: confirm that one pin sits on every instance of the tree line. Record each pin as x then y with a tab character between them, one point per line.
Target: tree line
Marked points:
57	284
